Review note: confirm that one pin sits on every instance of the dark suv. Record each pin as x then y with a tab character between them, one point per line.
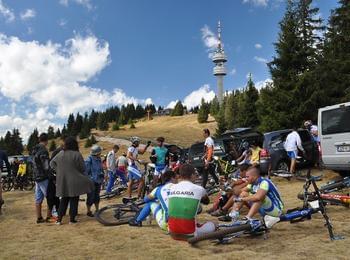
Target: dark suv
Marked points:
274	144
222	147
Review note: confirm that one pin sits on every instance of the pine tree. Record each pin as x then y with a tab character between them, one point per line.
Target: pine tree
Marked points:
78	124
220	119
230	112
33	140
249	110
178	109
58	133
51	132
85	129
88	143
115	127
102	123
214	106
93	119
93	139
64	131
333	73
53	146
70	124
203	112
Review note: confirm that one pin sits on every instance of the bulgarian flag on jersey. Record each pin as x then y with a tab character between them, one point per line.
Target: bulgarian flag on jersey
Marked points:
182	213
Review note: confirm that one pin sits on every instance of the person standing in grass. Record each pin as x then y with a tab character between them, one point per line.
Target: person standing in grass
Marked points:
71	182
93	169
41	174
3	159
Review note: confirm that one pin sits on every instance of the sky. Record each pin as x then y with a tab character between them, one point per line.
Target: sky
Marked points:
66	56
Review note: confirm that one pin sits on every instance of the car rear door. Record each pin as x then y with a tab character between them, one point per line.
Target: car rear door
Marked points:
334	132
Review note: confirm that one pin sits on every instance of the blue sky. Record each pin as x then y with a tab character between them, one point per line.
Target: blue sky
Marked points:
66	56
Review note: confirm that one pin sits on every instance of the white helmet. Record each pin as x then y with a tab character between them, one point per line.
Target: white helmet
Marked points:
135	139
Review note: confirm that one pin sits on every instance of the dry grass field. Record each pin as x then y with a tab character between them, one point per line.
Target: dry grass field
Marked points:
22	238
183	130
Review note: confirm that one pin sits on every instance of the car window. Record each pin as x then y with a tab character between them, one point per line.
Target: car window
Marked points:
336	121
304	136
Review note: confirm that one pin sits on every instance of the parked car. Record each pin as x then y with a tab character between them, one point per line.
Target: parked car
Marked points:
222	147
274	144
334	134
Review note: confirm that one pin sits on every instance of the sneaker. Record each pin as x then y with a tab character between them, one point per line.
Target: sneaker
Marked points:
90	214
218	213
58	223
73	221
40	220
134	223
225	218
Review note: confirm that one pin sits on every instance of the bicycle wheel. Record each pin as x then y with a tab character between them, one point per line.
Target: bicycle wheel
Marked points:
7	184
115	215
219	234
335	186
28	184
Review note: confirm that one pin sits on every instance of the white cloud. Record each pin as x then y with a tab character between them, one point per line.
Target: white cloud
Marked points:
233	72
262	84
195	97
209	39
28	14
258	46
53	79
85	3
260	59
172	104
62	22
6	12
256	2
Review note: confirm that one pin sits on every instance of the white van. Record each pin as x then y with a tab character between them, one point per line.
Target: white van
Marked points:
334	133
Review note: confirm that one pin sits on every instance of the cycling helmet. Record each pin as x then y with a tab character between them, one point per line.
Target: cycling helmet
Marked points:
95	149
245	145
135	139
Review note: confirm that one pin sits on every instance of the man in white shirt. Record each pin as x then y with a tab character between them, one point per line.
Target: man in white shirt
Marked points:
209	167
112	169
291	145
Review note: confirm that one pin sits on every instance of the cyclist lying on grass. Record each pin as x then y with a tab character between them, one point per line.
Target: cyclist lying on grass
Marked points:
157	203
260	195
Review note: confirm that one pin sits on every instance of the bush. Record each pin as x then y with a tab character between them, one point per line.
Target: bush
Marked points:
88	143
115	127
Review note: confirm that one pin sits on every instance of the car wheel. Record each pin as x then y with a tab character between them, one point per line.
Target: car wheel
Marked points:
282	165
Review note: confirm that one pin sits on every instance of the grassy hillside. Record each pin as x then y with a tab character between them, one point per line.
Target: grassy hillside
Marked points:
180	130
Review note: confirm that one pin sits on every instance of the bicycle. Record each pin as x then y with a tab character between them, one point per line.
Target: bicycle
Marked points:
227	232
337	185
10	182
299	174
119	214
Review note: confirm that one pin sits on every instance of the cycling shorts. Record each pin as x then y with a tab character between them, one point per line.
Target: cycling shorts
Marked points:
134	173
292	154
269	208
160	169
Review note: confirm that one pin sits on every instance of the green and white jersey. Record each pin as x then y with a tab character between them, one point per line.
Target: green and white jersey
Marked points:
184	199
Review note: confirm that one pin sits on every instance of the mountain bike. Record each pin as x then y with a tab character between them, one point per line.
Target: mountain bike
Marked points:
337	185
10	182
299	174
227	232
119	214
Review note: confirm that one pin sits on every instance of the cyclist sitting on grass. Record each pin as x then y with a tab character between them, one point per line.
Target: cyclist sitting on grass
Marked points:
157	203
261	195
184	200
133	172
222	206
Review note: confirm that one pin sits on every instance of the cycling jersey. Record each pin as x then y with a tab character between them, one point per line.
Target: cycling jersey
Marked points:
160	152
272	204
157	203
184	201
135	152
209	147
